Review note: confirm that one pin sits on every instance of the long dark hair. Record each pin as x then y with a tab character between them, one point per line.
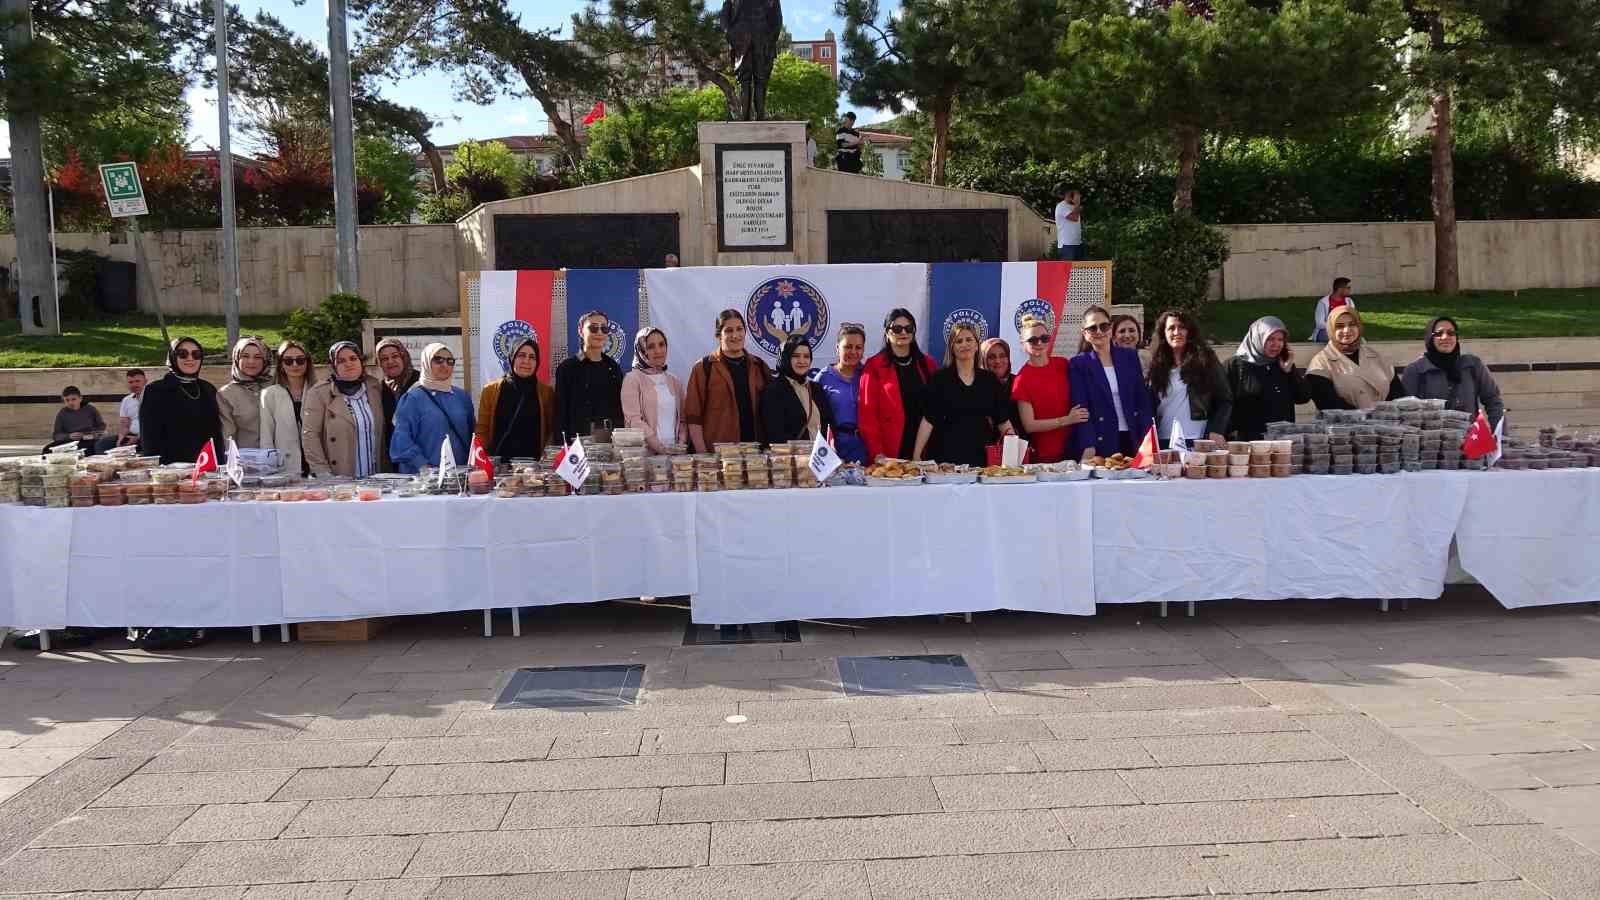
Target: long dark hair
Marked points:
1083	343
724	316
1196	364
888	351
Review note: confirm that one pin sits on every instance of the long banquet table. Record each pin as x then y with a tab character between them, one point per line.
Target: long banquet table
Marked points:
753	556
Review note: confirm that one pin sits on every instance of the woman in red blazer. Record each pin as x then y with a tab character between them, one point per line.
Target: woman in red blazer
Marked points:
889	397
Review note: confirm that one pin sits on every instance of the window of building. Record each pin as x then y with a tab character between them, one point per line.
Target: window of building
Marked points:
827	52
802	51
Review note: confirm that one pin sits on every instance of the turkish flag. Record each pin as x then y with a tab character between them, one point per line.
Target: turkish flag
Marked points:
478	458
1147	449
597	113
206	461
1481	440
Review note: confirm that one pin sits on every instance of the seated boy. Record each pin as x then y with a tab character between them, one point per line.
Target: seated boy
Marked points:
76	421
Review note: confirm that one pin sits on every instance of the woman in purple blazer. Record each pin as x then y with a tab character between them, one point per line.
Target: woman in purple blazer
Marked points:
1108	381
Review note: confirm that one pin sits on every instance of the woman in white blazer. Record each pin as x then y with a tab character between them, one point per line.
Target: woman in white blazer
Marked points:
280	407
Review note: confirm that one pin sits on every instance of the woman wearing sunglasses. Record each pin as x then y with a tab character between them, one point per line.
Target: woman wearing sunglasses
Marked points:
1043	394
342	429
282	406
433	410
179	413
589	385
890	400
1108	381
1443	372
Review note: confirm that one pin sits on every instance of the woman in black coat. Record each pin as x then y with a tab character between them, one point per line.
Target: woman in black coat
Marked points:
793	407
1265	383
178	414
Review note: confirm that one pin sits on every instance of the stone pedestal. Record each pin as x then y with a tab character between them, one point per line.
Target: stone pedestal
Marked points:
752	174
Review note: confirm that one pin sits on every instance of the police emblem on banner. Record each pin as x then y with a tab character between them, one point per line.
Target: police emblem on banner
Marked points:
614	341
507	338
1038	308
782	307
966	316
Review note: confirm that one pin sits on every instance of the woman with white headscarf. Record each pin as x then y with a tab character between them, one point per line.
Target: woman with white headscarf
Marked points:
434	409
1350	373
652	397
239	401
1266	385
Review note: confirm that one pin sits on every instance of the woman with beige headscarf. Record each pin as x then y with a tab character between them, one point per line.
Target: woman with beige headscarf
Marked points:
1350	373
239	401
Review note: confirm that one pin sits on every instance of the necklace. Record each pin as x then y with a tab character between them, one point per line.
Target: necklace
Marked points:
185	390
908	361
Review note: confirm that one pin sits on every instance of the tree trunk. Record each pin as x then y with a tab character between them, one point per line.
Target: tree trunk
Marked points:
1446	262
941	138
435	161
552	112
1188	160
31	216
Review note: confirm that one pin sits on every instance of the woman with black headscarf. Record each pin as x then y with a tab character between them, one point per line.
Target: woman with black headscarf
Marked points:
1443	372
342	428
793	407
178	414
517	414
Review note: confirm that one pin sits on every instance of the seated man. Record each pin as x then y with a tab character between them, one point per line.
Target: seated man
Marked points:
1339	296
76	421
127	415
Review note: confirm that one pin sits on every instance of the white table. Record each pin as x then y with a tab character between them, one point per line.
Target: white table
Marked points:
1532	538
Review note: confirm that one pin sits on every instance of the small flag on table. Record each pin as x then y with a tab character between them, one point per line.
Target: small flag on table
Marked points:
235	467
1147	449
478	458
823	459
1481	441
572	465
206	461
1176	441
447	460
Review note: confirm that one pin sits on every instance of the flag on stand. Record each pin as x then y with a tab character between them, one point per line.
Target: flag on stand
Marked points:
478	458
206	461
596	113
512	305
235	467
1481	440
572	465
1176	441
995	297
447	461
823	459
1147	449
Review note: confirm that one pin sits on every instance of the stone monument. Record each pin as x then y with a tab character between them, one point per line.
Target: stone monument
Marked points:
752	27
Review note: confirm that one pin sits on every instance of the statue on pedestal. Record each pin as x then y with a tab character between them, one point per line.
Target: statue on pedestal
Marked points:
752	27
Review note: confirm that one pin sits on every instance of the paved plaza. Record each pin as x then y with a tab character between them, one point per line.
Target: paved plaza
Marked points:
1263	749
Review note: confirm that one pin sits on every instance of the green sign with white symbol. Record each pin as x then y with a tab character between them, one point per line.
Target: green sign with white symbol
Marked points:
124	193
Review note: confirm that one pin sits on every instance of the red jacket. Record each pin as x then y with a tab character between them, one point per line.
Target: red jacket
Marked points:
881	416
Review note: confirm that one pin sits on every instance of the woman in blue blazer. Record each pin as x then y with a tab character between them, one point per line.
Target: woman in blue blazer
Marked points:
1108	381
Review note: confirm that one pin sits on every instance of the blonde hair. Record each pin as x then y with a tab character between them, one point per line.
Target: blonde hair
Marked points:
950	342
1031	321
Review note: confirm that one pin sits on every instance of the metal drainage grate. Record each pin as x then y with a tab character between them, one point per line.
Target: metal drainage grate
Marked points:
882	675
754	633
572	687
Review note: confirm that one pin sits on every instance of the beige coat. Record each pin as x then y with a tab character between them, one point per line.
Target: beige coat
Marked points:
280	430
239	405
328	430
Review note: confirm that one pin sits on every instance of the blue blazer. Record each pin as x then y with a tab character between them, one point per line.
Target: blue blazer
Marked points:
1091	390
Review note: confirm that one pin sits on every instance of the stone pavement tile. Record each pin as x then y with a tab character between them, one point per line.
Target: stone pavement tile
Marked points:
789	689
1173	722
124	825
1178	696
599	743
1547	709
1013	660
1296	698
1207	749
395	889
1410	690
1562	769
470	748
33	762
10	787
279	755
1524	687
1140	676
868	709
705	694
905	733
811	881
766	766
1496	773
1053	703
378	700
707	654
554	775
1317	670
612	885
93	868
1191	823
399	815
890	762
936	834
1346	863
724	671
1069	875
247	731
577	809
419	662
1487	890
308	890
1000	730
552	722
385	725
1032	790
752	736
73	734
236	822
1086	658
1563	807
334	784
1072	756
306	859
448	681
1473	740
195	788
1423	712
561	849
798	800
1262	781
211	893
1586	835
1369	816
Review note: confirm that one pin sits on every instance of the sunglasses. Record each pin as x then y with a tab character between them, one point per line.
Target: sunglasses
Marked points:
597	329
188	354
1102	328
1444	334
1038	339
293	360
902	329
444	360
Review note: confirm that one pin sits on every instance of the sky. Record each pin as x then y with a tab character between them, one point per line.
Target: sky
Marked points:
805	19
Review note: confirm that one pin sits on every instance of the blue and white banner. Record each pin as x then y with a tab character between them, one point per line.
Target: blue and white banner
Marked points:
777	301
614	292
963	293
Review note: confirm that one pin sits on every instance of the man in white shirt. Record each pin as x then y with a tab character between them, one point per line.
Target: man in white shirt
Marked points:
1069	225
128	410
1339	296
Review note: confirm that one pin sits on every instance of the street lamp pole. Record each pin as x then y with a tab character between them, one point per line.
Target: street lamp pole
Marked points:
347	266
230	247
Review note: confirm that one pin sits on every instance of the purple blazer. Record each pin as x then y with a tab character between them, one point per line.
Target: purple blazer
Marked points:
1092	391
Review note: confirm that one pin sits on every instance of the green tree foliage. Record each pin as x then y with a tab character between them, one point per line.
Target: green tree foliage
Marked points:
634	35
337	319
1164	259
385	164
801	91
490	159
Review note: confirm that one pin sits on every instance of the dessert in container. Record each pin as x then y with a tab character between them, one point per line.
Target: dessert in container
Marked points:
1241	471
1260	471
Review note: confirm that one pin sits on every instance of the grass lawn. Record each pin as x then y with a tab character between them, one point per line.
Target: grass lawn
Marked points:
131	340
1404	316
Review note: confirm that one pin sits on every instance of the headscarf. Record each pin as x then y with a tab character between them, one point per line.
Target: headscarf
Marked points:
986	346
639	361
172	359
397	385
1254	345
1361	384
265	376
1448	363
786	354
428	353
347	388
518	401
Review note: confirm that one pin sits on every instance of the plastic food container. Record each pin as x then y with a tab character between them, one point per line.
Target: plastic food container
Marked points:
1194	458
1318	468
315	494
1237	447
1338	469
1366	468
1261	471
1281	470
291	495
1189	471
191	499
1239	471
1215	458
1202	445
1216	471
1238	459
80	502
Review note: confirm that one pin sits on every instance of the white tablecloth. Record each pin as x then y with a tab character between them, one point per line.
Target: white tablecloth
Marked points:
859	552
1531	538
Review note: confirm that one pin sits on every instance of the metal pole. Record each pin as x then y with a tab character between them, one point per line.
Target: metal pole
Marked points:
230	249
55	267
30	217
347	274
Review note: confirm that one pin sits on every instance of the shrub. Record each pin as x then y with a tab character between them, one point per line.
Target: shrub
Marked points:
1165	260
337	319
